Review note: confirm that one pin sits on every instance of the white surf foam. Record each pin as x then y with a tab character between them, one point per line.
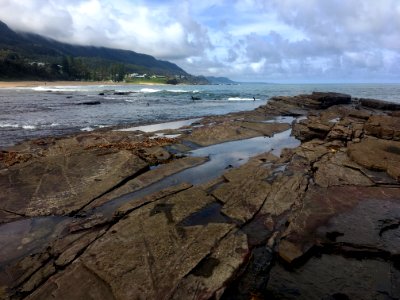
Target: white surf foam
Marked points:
87	129
149	90
241	99
5	125
177	91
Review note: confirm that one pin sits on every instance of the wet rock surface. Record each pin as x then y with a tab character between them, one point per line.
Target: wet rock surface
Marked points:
121	215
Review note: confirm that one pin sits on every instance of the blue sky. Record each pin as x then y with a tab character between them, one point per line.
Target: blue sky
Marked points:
247	40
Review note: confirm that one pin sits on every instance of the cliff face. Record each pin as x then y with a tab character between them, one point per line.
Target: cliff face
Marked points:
317	220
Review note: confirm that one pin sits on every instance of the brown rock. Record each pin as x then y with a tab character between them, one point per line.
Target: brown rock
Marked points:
204	282
146	254
289	251
148	178
384	127
335	170
242	198
377	154
233	130
76	282
38	278
340	132
311	128
286	191
62	184
266	129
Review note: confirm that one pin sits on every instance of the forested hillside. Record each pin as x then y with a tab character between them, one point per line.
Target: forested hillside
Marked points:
29	56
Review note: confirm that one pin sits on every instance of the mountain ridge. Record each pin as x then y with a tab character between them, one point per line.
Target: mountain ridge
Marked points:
19	51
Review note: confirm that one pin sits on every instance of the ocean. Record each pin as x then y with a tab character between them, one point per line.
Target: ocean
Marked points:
27	113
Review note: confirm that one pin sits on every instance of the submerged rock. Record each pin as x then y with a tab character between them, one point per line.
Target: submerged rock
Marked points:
89	103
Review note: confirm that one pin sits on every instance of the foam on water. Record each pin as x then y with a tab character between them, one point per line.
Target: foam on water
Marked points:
242	99
88	128
149	90
5	125
143	104
178	91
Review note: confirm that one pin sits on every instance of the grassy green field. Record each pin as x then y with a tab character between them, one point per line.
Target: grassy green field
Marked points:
147	80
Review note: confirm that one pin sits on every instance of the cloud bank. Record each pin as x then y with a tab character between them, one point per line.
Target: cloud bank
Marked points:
252	40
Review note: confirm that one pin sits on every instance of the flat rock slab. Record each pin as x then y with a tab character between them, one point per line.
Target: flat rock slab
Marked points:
152	252
377	155
60	184
336	169
149	178
322	206
233	130
243	198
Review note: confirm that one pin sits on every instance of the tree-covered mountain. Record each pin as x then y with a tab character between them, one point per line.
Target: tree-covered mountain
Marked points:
31	56
220	80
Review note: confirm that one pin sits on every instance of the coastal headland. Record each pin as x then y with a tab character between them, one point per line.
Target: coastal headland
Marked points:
298	199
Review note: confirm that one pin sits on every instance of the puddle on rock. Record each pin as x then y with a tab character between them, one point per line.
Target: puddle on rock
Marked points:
162	126
20	238
221	156
281	119
208	214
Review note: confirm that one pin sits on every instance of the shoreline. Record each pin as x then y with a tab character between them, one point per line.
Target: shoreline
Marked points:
242	204
28	84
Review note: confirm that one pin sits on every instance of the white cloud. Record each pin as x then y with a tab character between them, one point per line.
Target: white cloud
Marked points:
244	39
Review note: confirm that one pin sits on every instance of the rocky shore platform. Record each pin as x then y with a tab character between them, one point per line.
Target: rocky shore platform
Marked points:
298	199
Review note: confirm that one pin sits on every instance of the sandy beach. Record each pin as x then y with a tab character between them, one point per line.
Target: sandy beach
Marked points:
24	84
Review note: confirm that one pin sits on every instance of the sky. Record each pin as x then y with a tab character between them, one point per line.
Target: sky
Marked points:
245	40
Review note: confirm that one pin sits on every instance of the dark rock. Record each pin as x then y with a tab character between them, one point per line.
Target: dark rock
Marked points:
326	100
316	100
122	93
379	104
333	277
89	103
309	226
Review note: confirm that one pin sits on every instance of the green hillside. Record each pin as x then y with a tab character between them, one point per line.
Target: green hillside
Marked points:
26	56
